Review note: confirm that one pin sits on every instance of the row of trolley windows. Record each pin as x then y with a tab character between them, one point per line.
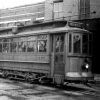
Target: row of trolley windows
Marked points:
24	44
80	44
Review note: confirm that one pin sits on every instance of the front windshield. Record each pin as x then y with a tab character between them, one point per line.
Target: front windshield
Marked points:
85	44
76	43
80	43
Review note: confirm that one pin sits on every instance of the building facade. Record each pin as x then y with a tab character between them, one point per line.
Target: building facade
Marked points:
22	14
68	9
94	8
51	10
72	9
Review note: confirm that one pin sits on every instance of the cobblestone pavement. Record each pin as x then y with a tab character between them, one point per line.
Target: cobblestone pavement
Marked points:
13	90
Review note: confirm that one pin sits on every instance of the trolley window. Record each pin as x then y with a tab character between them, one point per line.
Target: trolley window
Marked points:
0	45
84	44
70	43
76	43
37	43
13	45
22	44
59	44
42	43
80	43
90	44
5	45
31	46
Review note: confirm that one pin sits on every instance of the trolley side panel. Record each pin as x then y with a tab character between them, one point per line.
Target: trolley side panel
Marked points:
25	62
25	57
24	66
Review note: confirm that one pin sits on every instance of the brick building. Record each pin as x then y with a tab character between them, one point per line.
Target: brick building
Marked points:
52	10
22	14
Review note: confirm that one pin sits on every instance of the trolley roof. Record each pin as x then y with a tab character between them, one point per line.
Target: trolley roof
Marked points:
67	26
47	31
36	23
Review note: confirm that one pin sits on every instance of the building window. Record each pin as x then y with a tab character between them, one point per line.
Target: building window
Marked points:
40	15
58	10
40	12
84	9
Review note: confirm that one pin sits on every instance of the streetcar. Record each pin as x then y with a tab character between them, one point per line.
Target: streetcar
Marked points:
58	51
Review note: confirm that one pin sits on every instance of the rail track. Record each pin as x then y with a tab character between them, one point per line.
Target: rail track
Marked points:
71	87
85	89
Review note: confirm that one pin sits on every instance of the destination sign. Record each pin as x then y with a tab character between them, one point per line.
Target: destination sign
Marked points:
75	24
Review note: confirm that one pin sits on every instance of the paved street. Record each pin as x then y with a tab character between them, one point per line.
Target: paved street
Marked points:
13	90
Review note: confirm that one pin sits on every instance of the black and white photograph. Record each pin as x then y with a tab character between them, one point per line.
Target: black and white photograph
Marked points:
49	50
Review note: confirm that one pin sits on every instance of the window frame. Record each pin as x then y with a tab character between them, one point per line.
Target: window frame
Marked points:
58	11
81	44
18	40
41	39
7	45
84	9
60	43
1	43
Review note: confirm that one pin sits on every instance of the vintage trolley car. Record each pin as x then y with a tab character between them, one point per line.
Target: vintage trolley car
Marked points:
54	50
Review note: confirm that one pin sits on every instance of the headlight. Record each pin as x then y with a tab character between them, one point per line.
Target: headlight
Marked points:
87	66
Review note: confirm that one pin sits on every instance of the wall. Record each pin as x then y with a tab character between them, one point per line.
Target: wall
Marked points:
21	12
95	8
48	9
71	9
